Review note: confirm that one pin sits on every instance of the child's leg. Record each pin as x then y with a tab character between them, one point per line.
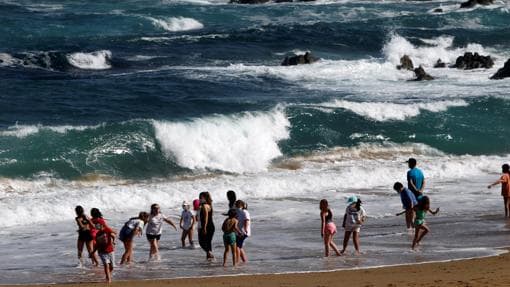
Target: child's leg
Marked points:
409	218
234	248
242	255
190	236
327	241
333	245
416	235
506	201
92	255
125	254
79	246
183	238
425	229
107	272
355	240
227	247
347	236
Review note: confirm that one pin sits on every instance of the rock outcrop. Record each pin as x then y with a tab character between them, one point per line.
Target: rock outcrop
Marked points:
473	3
473	61
503	72
405	63
440	64
307	58
249	1
421	75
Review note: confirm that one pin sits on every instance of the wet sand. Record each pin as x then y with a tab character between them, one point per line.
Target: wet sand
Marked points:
489	271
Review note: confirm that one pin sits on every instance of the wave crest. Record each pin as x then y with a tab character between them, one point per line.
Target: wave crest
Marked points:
98	60
175	24
240	143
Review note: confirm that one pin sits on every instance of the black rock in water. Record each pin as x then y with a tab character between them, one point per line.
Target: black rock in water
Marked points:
405	63
439	64
307	58
249	1
473	61
473	3
503	72
438	10
421	75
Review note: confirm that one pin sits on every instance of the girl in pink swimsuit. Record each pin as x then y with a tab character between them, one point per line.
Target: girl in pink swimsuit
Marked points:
328	228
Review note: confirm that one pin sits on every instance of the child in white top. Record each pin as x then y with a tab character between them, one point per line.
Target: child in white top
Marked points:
353	219
186	224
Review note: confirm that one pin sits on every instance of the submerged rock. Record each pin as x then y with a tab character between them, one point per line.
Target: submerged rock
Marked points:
473	3
307	58
405	63
503	72
421	75
438	10
440	64
249	1
473	61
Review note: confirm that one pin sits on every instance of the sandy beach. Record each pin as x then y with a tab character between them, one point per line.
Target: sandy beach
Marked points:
489	271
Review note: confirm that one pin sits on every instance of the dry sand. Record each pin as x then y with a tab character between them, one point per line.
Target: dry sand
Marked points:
489	271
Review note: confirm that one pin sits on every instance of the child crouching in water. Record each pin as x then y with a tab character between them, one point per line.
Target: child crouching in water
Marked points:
328	228
105	242
230	229
421	228
353	219
186	224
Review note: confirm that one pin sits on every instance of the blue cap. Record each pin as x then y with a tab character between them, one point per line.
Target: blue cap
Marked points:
352	199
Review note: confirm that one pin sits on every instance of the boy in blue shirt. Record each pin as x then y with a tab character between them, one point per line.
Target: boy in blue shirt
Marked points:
408	202
415	179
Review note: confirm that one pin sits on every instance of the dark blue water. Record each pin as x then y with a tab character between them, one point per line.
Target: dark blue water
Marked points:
144	63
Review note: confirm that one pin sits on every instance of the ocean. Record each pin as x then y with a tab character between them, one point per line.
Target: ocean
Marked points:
121	104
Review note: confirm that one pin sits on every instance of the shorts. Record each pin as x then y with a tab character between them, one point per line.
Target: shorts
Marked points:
229	238
419	222
151	237
85	235
330	228
240	240
107	258
126	233
353	228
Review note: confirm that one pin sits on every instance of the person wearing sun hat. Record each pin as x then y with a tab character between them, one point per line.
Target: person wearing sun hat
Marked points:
353	219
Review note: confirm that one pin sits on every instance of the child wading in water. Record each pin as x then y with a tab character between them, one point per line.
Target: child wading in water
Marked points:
85	236
105	242
230	229
328	228
421	229
186	223
132	227
353	219
505	188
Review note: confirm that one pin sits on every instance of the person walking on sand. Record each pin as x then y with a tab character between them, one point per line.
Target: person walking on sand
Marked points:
206	224
84	236
230	229
328	228
421	228
408	203
105	246
186	224
154	230
415	179
243	216
504	180
353	219
132	227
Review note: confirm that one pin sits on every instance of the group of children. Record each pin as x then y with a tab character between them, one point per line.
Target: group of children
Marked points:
98	237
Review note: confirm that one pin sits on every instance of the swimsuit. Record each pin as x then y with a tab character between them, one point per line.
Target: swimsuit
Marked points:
229	238
420	217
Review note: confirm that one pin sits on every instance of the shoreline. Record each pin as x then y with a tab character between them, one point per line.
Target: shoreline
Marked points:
480	271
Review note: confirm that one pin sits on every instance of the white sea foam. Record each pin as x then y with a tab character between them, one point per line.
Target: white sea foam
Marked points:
340	171
438	48
385	111
98	60
175	24
21	131
239	143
